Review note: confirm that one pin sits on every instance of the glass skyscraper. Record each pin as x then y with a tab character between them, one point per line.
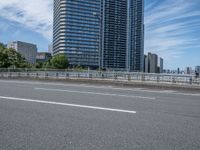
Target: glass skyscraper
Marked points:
104	33
76	31
123	35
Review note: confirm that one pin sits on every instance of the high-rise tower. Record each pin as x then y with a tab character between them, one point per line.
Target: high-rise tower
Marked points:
104	33
76	31
123	35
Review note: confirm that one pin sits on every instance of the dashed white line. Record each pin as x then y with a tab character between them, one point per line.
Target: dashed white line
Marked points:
68	104
95	93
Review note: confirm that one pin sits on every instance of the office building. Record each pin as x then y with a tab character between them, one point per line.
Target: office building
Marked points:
27	50
146	64
50	49
43	56
197	69
178	71
100	33
4	45
153	64
77	31
188	70
123	35
160	65
1	44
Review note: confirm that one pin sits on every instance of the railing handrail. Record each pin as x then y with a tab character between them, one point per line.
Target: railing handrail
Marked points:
95	71
91	74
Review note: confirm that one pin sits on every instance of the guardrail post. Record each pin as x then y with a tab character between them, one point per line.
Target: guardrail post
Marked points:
46	75
102	75
67	75
90	75
19	75
9	75
115	76
158	78
173	80
27	74
143	77
36	75
190	80
129	77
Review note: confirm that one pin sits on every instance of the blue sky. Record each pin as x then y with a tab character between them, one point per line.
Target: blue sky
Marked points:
172	27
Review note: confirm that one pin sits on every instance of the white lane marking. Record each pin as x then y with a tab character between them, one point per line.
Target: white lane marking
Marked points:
95	93
186	94
68	104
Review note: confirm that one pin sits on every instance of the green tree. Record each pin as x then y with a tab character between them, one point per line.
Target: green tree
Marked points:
10	58
3	57
47	64
39	65
59	61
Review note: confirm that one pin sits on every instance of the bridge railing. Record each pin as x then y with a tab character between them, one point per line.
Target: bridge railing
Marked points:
100	75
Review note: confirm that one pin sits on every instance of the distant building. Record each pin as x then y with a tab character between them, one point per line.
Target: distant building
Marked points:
153	63
178	71
43	56
146	64
160	65
197	69
188	70
28	50
50	49
3	44
168	71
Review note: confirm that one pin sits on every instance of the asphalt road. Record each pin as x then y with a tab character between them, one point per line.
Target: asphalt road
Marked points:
55	116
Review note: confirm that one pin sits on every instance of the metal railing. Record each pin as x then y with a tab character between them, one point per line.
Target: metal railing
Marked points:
101	75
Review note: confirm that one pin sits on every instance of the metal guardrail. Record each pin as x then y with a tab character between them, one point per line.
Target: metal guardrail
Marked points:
99	75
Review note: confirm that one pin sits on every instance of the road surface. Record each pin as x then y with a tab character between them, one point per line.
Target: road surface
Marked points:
55	116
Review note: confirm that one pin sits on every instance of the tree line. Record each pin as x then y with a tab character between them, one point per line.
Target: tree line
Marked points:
59	61
10	58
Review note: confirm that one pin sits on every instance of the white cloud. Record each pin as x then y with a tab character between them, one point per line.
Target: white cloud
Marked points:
169	23
33	14
170	27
